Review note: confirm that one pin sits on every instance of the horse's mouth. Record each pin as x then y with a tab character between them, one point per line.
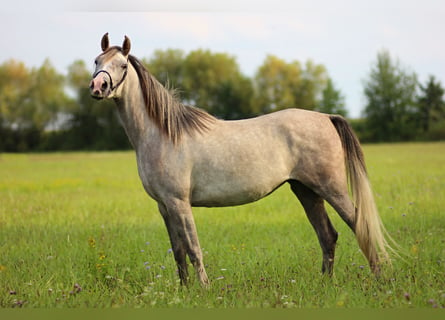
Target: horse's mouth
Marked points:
97	97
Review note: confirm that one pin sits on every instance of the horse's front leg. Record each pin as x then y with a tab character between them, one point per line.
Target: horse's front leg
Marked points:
177	244
181	228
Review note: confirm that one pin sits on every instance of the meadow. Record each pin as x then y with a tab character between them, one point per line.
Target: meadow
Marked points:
78	230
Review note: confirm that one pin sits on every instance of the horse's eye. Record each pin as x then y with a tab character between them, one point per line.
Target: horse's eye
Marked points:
124	66
95	62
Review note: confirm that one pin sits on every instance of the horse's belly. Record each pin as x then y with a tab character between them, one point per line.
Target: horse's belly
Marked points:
225	199
231	192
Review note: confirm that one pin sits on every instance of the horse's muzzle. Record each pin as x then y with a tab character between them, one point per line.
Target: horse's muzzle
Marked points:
99	87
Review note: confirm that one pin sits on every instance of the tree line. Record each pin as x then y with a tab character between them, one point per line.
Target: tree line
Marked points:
42	109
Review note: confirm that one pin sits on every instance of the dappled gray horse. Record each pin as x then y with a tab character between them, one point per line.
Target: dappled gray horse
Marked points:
186	158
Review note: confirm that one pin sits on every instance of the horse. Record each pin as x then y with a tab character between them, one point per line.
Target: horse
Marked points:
188	158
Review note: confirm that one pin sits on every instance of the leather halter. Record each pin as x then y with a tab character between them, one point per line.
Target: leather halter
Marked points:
112	88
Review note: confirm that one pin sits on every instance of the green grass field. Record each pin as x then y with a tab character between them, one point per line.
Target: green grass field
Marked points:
77	230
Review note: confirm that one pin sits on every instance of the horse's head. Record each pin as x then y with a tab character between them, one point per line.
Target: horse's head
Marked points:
111	69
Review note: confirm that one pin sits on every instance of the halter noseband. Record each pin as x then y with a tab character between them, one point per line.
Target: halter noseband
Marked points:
112	88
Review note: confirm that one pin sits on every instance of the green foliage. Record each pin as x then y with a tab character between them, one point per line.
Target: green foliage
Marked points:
332	100
29	103
281	85
168	67
431	104
395	111
391	105
78	230
41	109
213	81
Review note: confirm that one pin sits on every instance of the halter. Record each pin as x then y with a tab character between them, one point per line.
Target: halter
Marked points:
112	88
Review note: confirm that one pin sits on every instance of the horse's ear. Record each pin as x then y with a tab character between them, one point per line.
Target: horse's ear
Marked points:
126	46
105	43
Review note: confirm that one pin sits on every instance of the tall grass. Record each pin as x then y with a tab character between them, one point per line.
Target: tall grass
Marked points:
77	230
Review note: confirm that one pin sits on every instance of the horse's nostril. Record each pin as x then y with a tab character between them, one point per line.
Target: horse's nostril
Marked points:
104	86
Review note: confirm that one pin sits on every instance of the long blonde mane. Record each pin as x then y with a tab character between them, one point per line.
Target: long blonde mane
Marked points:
171	116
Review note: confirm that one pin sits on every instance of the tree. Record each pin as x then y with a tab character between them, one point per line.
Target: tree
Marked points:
47	96
15	82
431	104
30	101
332	100
276	81
168	67
281	85
213	81
314	80
390	92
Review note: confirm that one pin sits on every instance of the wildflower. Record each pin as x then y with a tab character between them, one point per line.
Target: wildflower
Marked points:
92	242
170	250
220	278
12	292
77	288
433	303
99	266
407	296
340	303
18	303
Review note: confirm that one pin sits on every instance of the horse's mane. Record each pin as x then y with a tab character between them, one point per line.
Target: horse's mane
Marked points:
171	116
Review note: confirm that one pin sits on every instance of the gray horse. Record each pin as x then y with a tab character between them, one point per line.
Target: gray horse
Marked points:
187	158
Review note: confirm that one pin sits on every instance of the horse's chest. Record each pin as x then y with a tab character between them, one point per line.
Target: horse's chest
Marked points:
149	176
162	180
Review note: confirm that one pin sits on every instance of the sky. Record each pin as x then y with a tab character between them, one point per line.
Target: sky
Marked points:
343	35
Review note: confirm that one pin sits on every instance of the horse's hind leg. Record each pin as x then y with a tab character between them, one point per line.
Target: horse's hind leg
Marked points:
316	212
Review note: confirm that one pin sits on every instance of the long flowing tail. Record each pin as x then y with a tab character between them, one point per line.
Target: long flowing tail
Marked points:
369	229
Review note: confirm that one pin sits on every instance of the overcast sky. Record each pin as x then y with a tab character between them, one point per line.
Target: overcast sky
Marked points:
345	36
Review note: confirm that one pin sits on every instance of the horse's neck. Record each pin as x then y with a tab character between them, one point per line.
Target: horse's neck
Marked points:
139	127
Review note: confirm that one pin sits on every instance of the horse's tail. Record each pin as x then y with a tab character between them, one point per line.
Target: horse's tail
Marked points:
369	229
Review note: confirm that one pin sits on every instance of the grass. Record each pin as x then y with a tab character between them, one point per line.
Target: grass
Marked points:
77	230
